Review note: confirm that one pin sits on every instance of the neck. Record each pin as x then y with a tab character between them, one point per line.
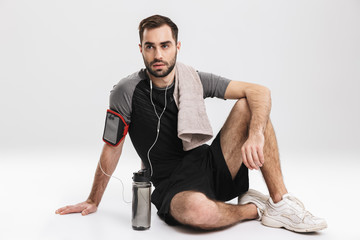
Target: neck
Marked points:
163	81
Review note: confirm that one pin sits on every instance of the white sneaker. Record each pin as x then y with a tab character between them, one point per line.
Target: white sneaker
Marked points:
255	197
290	213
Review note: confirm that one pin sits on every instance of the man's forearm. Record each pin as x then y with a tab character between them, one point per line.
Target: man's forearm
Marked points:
109	159
259	99
99	186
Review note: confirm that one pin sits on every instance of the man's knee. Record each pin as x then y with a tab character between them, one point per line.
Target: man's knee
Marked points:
242	106
194	209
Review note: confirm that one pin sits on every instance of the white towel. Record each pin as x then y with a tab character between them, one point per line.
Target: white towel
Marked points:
194	128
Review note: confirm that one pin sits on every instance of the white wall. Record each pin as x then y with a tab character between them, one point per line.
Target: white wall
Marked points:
60	59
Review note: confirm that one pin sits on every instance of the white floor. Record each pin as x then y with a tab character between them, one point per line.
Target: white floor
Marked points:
34	185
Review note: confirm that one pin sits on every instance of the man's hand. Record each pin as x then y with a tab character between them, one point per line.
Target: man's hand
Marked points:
84	208
252	151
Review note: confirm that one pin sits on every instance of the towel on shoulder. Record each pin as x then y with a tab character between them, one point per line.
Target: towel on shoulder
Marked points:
194	127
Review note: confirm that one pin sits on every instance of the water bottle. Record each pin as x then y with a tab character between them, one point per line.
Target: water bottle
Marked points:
141	203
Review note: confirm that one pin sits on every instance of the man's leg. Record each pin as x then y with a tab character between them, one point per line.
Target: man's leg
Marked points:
271	169
196	210
277	209
234	134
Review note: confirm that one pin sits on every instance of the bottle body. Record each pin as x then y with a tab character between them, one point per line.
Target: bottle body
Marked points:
141	205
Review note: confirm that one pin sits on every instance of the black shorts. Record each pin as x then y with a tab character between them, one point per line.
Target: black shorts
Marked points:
204	170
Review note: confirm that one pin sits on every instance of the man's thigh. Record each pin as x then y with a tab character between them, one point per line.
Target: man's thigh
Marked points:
234	134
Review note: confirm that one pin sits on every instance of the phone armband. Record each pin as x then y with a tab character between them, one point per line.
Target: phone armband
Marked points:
115	128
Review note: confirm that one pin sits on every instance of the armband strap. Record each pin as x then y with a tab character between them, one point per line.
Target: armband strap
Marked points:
115	128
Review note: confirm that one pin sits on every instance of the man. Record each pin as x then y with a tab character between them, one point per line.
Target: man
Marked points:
191	186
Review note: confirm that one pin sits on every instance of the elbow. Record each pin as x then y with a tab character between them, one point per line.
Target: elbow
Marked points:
268	92
259	91
265	91
268	95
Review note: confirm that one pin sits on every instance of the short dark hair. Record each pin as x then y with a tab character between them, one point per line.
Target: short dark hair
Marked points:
156	21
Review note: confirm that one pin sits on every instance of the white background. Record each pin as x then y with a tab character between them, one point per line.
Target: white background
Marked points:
60	59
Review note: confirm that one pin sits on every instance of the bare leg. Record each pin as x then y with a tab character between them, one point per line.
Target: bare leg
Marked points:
196	210
233	135
271	169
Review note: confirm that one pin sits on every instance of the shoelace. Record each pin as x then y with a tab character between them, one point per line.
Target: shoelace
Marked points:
298	205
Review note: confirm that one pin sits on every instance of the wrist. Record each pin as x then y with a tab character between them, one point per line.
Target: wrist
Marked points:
90	201
255	132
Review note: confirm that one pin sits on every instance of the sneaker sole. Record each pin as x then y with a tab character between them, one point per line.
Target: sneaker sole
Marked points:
271	222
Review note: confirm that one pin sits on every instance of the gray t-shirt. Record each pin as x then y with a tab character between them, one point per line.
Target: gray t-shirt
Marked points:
131	99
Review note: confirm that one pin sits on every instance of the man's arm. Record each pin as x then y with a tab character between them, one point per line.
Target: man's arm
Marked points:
259	100
109	159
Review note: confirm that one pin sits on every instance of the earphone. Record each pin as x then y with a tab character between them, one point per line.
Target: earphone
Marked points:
158	124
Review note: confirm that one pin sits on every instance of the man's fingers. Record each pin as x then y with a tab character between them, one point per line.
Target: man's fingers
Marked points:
84	208
70	209
258	156
253	156
261	156
85	212
256	159
244	159
60	210
89	209
250	159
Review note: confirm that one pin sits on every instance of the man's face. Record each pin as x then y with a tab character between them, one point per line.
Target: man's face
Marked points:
159	51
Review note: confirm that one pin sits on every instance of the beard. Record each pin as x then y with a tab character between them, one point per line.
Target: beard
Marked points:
169	66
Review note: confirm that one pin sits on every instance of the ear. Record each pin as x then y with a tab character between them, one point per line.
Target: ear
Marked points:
178	45
140	48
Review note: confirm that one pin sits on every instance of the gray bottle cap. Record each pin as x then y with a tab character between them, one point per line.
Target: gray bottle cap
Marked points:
141	176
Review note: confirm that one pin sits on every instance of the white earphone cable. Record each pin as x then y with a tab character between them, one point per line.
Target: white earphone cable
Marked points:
122	184
158	125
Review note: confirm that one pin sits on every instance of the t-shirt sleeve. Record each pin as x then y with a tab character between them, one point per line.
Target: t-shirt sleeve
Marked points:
122	93
120	100
213	85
